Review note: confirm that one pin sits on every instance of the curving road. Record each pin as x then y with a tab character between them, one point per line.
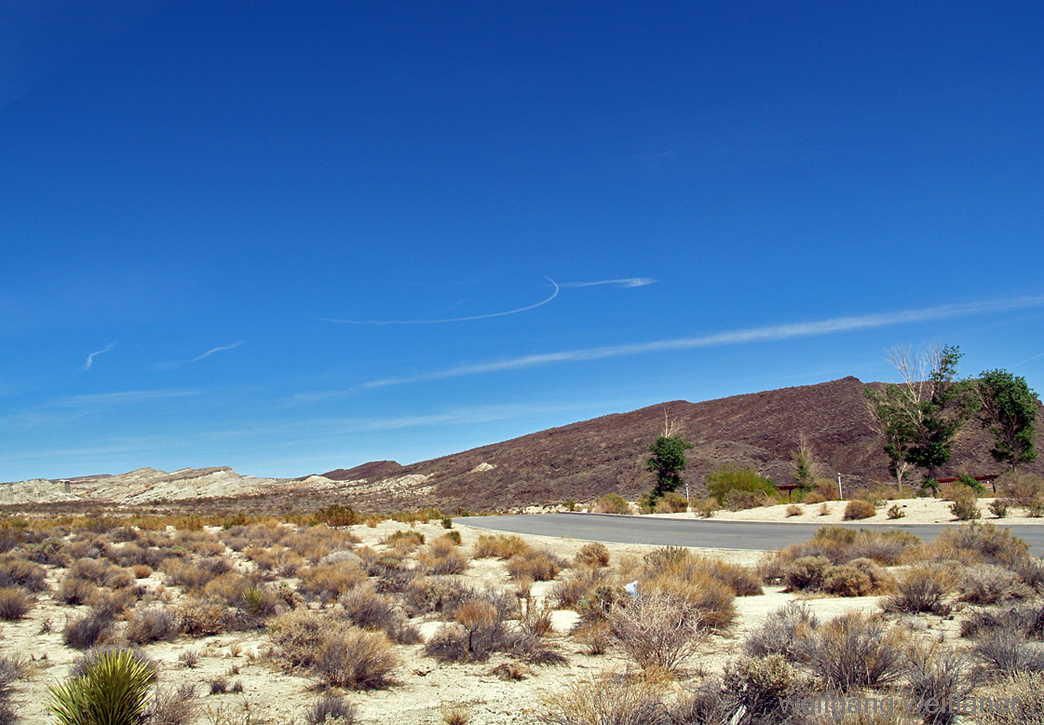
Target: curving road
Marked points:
702	533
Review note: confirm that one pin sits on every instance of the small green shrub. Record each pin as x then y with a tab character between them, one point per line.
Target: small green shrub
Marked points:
741	480
999	508
895	511
965	508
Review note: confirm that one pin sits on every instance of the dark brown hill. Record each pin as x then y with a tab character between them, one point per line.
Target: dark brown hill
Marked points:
586	460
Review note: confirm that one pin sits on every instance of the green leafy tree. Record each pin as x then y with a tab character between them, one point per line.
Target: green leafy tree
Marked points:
667	462
1009	412
921	417
730	478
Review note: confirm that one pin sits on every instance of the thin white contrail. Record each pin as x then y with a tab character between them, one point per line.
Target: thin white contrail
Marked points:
1030	359
632	282
208	353
732	337
453	319
90	358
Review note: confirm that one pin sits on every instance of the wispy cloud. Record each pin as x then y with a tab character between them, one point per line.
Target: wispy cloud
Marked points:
626	283
90	358
208	353
731	337
130	397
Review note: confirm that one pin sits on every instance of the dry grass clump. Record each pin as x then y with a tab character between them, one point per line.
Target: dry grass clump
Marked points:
659	628
203	617
840	545
695	590
858	509
88	630
578	585
192	575
921	588
152	624
781	632
536	564
9	671
331	708
990	584
606	700
975	544
173	706
315	542
339	653
1007	652
14	603
404	541
501	546
613	503
592	555
936	675
1024	688
596	637
18	572
443	556
326	582
683	564
365	608
855	651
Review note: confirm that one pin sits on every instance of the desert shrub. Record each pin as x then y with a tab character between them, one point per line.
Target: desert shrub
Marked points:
578	584
113	690
14	603
539	565
936	675
341	654
1022	489
794	510
326	582
895	511
672	502
1024	688
87	630
858	509
405	540
759	687
921	588
697	591
999	508
365	608
202	617
854	651
730	478
331	708
501	546
613	503
190	575
608	700
658	629
737	500
806	573
52	551
1006	651
682	563
173	706
704	508
141	571
18	572
965	508
592	555
886	548
337	515
976	543
151	625
74	590
596	637
435	594
9	670
813	497
781	631
847	581
989	584
479	628
443	556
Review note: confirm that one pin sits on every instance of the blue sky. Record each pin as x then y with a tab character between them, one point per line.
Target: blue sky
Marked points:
292	237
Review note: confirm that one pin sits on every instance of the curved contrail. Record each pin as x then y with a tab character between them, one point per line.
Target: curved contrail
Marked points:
90	358
453	319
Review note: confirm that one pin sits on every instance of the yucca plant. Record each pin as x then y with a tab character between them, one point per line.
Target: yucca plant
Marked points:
113	690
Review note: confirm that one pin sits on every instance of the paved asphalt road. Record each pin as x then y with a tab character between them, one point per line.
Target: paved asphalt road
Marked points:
697	532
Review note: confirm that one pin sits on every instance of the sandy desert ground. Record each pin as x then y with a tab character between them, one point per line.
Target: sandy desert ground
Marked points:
424	689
